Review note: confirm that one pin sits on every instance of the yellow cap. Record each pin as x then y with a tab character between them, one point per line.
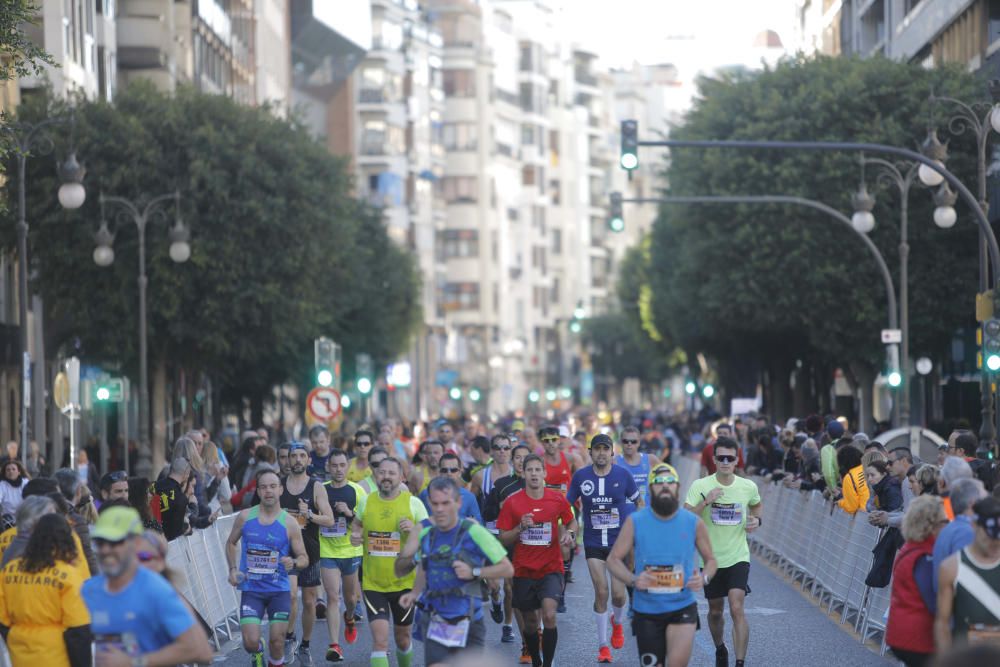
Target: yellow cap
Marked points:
662	468
116	523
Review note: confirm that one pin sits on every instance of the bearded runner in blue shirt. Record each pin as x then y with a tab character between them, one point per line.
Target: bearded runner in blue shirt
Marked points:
608	494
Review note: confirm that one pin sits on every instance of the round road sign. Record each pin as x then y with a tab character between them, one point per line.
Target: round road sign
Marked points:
323	403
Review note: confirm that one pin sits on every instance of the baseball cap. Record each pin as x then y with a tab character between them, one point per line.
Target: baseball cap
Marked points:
117	523
663	470
987	512
293	446
564	431
602	439
518	425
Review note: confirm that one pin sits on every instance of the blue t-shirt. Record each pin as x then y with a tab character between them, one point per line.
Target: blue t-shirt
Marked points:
607	501
667	548
953	538
147	613
640	472
446	594
468	510
317	466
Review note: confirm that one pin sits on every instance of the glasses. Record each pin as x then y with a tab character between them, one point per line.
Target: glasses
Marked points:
502	449
664	479
100	542
146	556
363	443
550	439
449	471
374	464
725	458
629	442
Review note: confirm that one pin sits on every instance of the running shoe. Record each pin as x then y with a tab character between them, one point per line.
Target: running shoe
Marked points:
617	634
305	658
507	634
525	656
290	646
320	609
358	616
721	656
569	576
496	611
334	654
350	629
561	609
604	654
257	658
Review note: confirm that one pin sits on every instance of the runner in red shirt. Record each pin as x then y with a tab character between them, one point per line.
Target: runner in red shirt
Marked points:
535	522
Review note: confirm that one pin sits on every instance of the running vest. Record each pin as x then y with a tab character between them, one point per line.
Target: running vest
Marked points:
310	531
335	540
383	541
445	593
356	474
263	548
977	600
639	472
667	548
425	478
558	476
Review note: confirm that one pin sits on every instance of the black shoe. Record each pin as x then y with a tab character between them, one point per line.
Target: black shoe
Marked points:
721	656
569	576
496	611
320	609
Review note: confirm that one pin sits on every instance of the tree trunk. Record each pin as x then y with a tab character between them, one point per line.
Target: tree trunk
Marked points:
864	376
802	403
256	410
779	371
159	413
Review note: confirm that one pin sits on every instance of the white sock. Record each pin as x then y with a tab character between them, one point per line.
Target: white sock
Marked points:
279	661
602	627
619	613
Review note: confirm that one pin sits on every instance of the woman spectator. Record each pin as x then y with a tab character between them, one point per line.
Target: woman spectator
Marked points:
220	473
140	498
202	514
854	490
886	494
47	621
11	488
36	462
910	630
266	459
926	480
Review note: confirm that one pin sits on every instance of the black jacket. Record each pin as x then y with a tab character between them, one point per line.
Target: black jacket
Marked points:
888	494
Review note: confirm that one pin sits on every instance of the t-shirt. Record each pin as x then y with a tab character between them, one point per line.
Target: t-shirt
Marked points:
708	458
468	510
607	502
335	540
38	607
15	547
317	466
446	594
143	617
356	474
726	518
382	539
173	506
537	552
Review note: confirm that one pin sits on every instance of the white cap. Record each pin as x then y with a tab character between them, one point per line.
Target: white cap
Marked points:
564	431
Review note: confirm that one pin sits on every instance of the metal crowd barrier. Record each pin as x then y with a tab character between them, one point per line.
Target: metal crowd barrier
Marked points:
819	547
201	559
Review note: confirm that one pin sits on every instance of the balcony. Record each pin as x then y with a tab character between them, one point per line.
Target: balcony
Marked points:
141	41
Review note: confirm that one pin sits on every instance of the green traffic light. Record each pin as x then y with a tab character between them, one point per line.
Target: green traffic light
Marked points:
345	402
474	395
324	378
690	387
103	393
617	225
574	326
993	362
895	379
533	396
364	385
455	393
630	161
708	391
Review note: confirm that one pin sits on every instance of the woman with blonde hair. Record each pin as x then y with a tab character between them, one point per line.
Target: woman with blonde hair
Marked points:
223	491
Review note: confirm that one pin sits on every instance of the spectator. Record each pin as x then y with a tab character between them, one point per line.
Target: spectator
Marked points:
767	459
114	485
127	601
87	471
81	510
960	532
828	459
28	515
909	632
44	620
171	494
810	477
203	488
953	469
925	479
886	494
220	478
36	462
140	499
900	463
241	469
854	491
11	486
266	459
968	583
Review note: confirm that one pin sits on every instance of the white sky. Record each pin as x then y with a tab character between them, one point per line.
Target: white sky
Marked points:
695	35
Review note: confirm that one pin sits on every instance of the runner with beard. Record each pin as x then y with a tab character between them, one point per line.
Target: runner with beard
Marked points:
730	507
662	540
608	494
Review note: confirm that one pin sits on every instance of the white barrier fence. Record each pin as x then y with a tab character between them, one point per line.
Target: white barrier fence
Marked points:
820	547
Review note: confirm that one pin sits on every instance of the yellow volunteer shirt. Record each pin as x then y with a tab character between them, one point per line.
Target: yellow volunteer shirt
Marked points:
38	607
7	536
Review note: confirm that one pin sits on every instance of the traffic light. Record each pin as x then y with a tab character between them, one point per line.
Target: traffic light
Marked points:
690	387
616	220
455	393
475	395
533	396
102	393
576	324
708	391
894	377
364	373
991	345
327	360
630	144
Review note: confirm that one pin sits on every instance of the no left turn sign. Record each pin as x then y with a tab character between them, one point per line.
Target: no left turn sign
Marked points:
323	403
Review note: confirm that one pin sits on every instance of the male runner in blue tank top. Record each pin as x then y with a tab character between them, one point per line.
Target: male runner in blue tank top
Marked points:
608	495
269	538
636	462
663	538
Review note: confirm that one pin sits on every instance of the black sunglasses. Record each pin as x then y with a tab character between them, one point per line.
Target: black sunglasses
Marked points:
725	458
363	443
630	442
497	448
449	470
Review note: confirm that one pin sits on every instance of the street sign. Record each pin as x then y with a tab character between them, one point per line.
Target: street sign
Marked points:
892	336
60	391
323	403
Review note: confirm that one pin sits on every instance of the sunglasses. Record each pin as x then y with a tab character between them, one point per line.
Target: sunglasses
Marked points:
550	439
630	442
725	458
664	479
363	443
100	542
118	476
502	449
449	471
146	556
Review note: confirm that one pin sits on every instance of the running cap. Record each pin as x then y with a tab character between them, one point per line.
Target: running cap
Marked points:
294	446
988	516
602	440
518	425
564	431
117	523
662	473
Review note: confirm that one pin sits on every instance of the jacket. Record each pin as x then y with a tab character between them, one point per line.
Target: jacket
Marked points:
887	495
855	490
828	463
911	624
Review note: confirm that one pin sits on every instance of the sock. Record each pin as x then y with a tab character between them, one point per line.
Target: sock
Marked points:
258	652
271	662
739	663
380	659
304	643
531	641
549	638
290	635
619	614
602	628
404	658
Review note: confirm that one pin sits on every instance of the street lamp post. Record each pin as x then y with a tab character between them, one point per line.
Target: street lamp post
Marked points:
25	138
104	255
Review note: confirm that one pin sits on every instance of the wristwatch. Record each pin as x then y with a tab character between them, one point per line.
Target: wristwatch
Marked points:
477	572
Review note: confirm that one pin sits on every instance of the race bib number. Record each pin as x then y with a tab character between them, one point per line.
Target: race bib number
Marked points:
383	544
125	642
492	527
261	562
601	519
668	579
539	535
727	514
338	529
984	634
452	635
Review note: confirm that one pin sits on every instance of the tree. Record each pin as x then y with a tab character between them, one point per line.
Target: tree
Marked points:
19	56
760	287
281	250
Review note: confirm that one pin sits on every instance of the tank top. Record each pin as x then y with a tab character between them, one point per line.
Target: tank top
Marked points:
356	474
383	541
335	540
264	545
667	548
310	531
558	476
976	597
639	472
425	478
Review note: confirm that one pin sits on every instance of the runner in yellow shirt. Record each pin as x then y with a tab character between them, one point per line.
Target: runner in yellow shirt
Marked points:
359	469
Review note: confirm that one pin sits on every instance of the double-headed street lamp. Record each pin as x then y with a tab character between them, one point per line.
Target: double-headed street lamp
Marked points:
104	255
34	139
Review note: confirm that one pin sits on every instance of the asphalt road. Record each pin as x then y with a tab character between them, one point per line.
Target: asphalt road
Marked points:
785	629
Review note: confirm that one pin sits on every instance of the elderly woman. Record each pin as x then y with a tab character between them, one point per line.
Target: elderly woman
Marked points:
910	631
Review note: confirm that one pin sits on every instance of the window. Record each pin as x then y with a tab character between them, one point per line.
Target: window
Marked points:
527	135
529	175
554	292
538	218
556	241
459	82
460	136
993	22
458	243
460	296
459	189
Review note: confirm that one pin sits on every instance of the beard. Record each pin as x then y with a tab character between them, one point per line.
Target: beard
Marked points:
663	504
